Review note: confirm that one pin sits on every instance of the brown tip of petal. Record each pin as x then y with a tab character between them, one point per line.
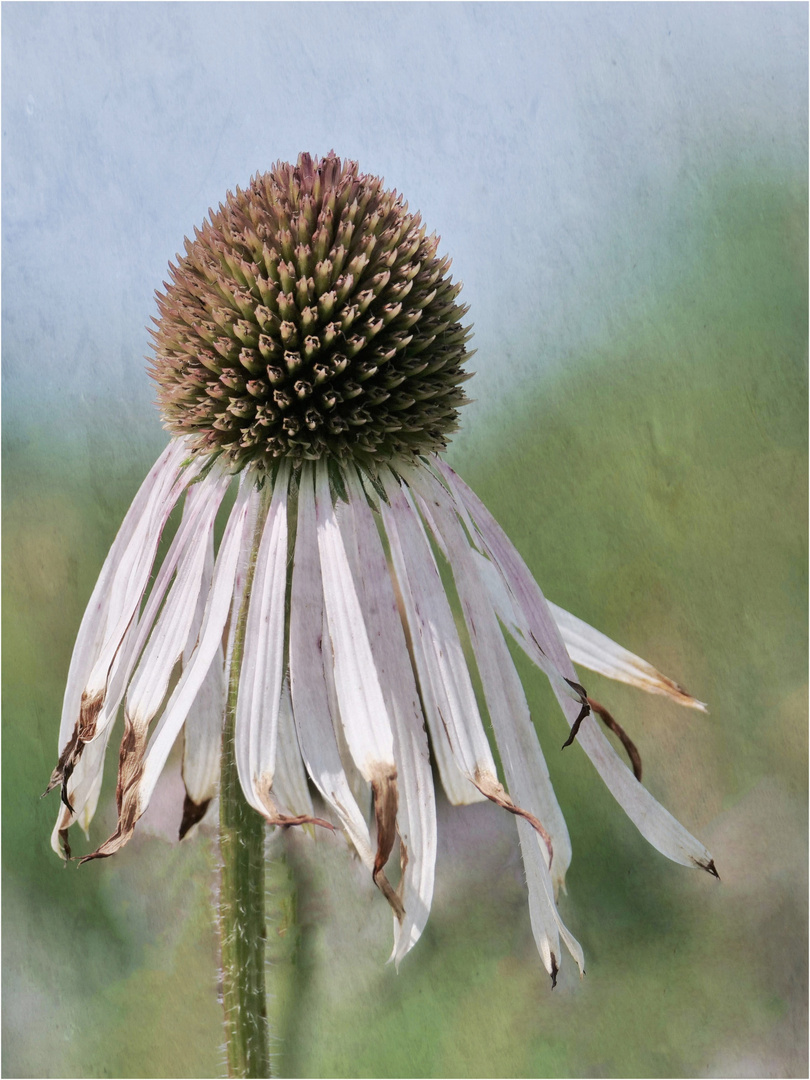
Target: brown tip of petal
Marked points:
65	841
108	848
680	695
274	815
496	793
709	867
583	712
613	725
192	814
554	971
127	819
88	714
130	770
390	894
83	732
578	688
63	794
386	799
284	820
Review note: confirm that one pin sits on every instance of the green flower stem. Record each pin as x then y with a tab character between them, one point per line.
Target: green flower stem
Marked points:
242	886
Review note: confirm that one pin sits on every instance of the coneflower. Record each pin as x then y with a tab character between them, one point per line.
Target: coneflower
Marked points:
310	347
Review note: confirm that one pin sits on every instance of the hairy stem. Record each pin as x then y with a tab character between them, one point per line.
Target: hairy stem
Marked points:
242	885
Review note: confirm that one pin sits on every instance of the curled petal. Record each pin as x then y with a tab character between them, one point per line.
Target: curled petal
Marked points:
654	823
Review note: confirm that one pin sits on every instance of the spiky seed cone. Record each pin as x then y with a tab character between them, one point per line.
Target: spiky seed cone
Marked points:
311	316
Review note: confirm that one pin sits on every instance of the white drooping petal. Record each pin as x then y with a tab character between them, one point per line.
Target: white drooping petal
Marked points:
654	823
99	616
138	769
538	643
132	573
513	618
165	634
526	772
166	641
214	619
416	815
308	644
545	919
358	785
202	732
242	572
596	651
458	789
447	692
290	784
170	633
202	501
256	730
362	706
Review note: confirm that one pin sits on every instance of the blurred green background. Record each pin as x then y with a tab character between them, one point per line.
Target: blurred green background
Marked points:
657	486
624	191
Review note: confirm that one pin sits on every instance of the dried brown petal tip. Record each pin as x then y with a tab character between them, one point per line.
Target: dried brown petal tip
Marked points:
64	839
577	724
193	813
298	308
386	799
613	725
496	793
285	821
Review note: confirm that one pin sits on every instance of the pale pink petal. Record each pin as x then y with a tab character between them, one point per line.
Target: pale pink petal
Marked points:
202	501
257	706
443	676
290	784
91	634
214	619
310	701
139	770
169	635
526	772
202	731
134	569
416	816
362	706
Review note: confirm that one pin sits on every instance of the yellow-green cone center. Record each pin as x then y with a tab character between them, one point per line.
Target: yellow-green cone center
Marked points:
311	316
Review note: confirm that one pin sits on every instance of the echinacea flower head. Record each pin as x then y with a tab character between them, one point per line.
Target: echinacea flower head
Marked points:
310	350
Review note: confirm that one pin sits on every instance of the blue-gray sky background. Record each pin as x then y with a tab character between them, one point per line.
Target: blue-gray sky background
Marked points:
554	147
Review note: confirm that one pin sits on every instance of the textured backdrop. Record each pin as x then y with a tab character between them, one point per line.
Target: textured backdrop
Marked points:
624	192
